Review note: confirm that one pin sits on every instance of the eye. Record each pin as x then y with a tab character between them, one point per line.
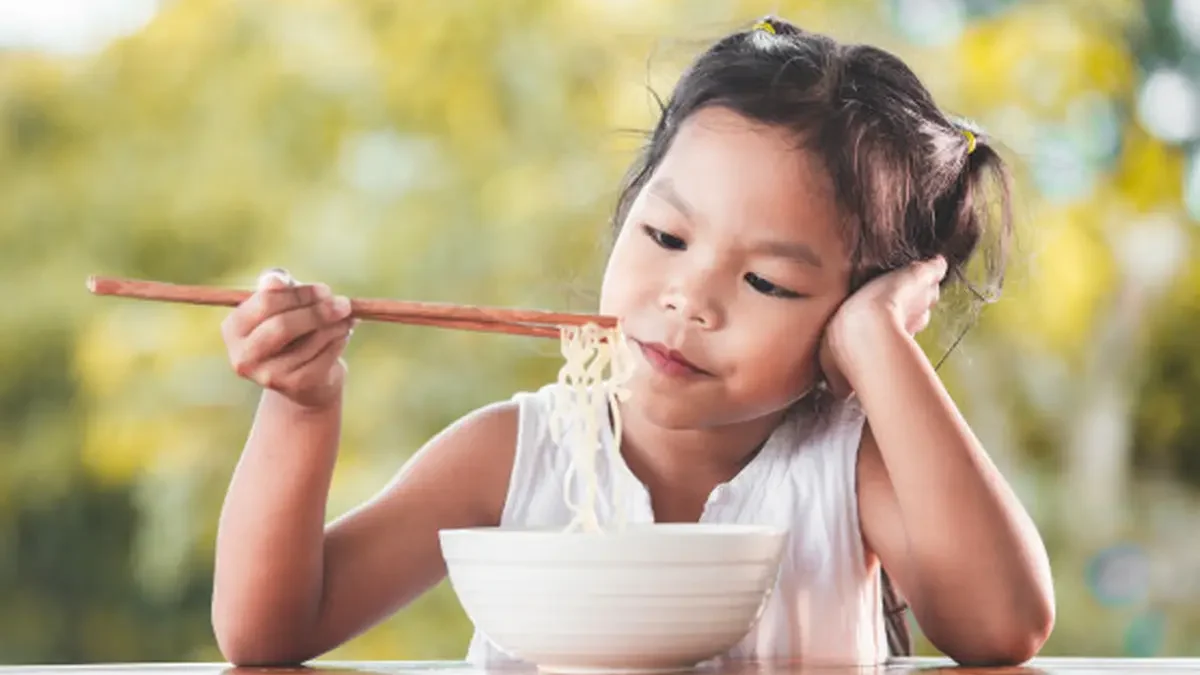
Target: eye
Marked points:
767	288
667	241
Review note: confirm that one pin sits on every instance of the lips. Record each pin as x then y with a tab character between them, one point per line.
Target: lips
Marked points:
669	361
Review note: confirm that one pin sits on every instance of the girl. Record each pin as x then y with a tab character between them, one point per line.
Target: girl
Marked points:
780	241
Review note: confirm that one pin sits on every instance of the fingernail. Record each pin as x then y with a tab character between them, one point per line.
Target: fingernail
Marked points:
275	277
270	280
322	292
341	305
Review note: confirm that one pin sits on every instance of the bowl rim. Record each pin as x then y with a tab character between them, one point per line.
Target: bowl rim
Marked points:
631	531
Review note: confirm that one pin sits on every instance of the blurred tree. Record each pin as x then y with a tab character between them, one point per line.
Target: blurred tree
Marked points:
470	151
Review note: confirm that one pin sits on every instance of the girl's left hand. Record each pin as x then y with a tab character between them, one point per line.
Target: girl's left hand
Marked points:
901	299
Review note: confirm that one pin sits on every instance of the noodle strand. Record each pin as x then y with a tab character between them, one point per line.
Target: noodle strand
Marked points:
597	364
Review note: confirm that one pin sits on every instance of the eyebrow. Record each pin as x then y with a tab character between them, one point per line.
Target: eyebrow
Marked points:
792	250
664	188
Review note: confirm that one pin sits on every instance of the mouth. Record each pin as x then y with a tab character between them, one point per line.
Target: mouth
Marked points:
669	361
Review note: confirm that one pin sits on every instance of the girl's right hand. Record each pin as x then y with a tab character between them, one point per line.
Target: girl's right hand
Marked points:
289	338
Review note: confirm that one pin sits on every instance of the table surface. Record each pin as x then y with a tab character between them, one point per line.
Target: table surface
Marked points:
1041	666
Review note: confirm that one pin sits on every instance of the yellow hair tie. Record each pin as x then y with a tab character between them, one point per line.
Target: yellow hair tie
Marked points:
764	25
971	141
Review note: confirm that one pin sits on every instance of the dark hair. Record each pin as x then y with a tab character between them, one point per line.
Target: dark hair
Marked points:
910	180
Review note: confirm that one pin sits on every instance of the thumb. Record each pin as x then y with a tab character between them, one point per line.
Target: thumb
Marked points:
276	277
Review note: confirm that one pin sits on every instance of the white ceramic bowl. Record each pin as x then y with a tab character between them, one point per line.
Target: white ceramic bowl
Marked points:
649	598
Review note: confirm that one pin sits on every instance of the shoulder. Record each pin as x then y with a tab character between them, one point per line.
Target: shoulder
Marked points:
812	457
501	424
507	426
883	529
874	484
504	447
832	431
462	475
474	453
497	422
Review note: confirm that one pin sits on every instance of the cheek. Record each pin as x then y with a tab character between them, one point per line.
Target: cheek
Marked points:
780	361
626	276
784	348
615	287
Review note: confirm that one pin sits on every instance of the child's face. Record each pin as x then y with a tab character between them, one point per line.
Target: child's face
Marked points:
732	256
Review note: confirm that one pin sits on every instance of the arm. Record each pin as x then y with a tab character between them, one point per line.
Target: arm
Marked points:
937	512
287	588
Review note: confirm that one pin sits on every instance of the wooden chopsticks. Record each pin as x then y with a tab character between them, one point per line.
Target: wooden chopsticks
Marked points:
531	322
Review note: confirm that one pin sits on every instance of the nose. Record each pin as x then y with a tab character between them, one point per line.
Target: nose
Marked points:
691	301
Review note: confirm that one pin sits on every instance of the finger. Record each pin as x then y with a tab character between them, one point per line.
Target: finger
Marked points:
308	348
920	323
920	283
274	297
275	275
274	335
934	269
278	279
327	357
316	371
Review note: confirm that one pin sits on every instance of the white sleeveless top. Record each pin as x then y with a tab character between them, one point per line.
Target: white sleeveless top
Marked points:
826	608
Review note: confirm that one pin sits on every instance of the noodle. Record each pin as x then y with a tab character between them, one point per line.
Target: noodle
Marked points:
583	394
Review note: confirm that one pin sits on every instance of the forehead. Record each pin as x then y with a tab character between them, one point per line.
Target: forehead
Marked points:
737	173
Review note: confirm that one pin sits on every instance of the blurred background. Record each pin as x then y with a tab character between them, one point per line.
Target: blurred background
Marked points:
470	151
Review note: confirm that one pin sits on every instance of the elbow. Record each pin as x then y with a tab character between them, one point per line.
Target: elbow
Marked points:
1025	639
241	652
1014	643
1012	651
246	644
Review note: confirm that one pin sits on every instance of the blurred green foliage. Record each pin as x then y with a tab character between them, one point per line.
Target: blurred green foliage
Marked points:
471	151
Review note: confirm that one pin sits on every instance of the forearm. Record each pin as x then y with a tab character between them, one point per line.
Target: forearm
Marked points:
268	575
981	572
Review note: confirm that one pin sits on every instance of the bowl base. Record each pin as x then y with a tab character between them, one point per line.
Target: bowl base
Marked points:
551	669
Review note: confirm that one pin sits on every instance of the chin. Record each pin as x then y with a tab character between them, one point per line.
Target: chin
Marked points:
674	410
680	410
686	408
